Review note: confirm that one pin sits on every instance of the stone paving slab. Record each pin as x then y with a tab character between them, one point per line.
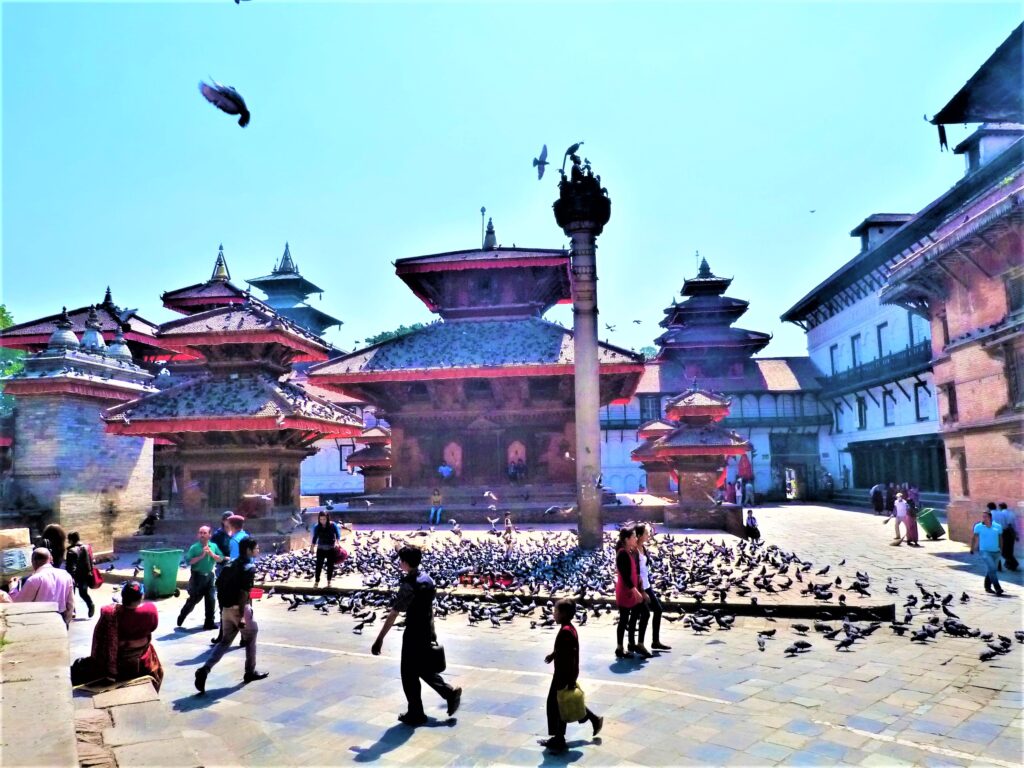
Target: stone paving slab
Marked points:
713	699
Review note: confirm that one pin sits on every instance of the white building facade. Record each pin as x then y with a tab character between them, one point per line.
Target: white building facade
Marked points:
877	377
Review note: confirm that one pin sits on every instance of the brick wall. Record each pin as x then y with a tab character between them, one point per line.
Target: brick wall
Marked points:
98	484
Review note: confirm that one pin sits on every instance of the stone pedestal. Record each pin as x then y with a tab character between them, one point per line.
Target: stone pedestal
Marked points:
726	517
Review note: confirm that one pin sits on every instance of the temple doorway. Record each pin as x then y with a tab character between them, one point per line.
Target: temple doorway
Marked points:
516	461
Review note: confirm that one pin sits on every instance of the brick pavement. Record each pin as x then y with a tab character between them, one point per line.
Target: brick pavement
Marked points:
714	699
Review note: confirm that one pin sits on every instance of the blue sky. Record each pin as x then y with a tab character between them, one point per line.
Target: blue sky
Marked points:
379	130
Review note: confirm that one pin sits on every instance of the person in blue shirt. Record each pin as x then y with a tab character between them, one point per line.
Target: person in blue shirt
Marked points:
236	524
987	540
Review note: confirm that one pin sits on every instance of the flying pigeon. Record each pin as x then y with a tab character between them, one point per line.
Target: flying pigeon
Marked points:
226	99
540	162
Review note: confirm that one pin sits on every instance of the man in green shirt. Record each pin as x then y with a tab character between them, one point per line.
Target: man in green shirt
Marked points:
201	556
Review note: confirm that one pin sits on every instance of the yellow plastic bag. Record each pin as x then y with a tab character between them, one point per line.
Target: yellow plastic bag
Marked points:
571	705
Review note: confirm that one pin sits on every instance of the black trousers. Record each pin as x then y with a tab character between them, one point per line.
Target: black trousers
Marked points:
654	609
628	618
413	657
556	725
200	587
1009	537
83	592
321	555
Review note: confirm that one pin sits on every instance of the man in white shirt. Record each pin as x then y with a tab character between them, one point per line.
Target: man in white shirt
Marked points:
46	585
902	509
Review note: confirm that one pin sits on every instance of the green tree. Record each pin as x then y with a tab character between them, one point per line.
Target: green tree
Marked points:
402	330
10	361
648	351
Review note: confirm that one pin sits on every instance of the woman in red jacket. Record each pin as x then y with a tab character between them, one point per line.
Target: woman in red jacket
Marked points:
628	597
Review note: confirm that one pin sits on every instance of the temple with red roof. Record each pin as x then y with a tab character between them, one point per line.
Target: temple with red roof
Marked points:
235	425
773	400
491	383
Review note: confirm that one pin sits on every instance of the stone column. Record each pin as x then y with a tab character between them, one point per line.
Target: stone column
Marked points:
582	210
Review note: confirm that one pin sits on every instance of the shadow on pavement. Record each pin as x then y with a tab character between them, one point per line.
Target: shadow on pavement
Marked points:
212	695
392	739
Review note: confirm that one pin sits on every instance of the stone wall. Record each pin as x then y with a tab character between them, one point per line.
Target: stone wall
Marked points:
98	484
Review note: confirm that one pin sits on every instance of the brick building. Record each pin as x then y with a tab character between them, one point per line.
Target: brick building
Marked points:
63	462
961	266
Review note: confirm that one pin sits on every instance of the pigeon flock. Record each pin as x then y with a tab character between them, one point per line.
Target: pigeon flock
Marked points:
499	582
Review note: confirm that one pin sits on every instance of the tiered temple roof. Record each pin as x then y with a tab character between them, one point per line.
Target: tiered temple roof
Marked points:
139	333
215	292
287	291
695	432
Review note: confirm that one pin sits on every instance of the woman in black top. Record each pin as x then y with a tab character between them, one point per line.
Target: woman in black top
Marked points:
325	537
79	565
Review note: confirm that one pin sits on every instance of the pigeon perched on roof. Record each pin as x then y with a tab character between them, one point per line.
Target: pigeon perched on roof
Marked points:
226	99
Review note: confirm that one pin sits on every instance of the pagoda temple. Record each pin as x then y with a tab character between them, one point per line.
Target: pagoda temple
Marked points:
64	467
235	426
690	443
491	383
373	460
287	292
773	400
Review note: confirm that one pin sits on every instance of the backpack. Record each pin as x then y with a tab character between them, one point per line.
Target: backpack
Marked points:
229	584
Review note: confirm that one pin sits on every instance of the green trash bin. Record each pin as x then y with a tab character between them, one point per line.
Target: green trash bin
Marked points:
160	568
929	521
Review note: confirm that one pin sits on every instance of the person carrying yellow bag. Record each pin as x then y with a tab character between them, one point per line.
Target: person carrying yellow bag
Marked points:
565	698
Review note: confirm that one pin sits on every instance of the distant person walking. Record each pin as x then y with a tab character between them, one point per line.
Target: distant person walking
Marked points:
56	542
79	564
878	498
416	600
326	536
566	658
987	540
202	558
910	521
1008	521
901	512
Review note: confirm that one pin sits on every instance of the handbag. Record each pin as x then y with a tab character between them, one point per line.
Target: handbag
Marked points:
97	578
340	553
571	705
435	662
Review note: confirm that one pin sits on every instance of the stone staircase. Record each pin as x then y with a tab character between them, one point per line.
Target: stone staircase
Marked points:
178	531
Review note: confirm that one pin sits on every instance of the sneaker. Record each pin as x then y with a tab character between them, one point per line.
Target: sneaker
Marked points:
641	651
201	674
251	677
598	724
412	720
659	646
454	701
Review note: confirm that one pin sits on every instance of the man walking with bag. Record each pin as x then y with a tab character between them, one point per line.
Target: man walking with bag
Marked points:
201	556
234	587
421	656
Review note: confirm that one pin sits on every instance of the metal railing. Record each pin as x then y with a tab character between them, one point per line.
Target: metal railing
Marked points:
894	367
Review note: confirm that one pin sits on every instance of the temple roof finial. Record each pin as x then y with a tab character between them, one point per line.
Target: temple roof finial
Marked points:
93	338
705	270
63	337
286	265
490	239
220	267
119	348
108	300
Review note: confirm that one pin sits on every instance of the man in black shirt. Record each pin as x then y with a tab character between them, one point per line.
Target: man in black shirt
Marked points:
233	588
416	599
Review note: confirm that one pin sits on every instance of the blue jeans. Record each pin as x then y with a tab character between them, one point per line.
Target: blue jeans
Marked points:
991	561
435	510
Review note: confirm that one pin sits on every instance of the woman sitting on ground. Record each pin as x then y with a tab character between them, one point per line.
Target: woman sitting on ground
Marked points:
122	647
750	529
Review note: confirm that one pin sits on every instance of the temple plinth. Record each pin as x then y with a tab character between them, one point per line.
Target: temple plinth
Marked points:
694	449
582	210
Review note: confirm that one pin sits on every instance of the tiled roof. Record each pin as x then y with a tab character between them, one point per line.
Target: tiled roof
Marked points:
711	335
494	255
699	436
697	398
370	455
111	319
471	344
246	394
237	318
760	374
211	289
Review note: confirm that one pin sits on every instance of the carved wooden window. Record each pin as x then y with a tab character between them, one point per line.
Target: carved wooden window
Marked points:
1015	375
